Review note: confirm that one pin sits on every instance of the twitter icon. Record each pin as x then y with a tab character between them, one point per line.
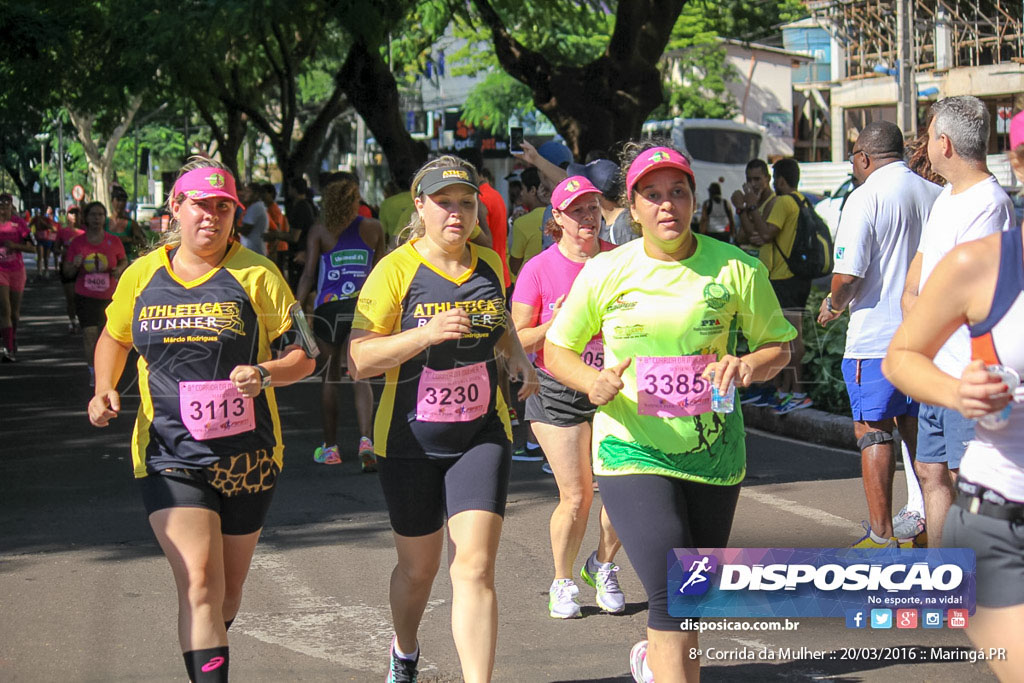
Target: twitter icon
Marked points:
881	618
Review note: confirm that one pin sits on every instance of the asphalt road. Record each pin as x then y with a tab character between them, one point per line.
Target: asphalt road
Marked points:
85	594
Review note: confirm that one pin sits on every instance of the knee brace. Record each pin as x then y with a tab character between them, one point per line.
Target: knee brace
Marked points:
873	438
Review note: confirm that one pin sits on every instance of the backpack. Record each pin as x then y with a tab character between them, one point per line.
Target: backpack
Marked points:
811	255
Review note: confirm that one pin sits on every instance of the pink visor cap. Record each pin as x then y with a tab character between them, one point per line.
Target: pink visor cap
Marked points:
201	183
569	189
1017	130
651	160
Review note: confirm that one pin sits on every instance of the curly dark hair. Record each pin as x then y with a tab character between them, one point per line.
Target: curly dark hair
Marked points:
630	151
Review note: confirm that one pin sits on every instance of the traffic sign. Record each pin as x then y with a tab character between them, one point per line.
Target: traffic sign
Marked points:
78	193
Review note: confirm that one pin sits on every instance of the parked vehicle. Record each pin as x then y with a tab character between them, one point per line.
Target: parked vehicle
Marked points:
831	206
718	149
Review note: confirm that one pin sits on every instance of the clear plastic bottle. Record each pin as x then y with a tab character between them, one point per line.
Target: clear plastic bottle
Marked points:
723	403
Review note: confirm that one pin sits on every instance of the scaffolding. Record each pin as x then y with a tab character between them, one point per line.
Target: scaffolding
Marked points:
947	33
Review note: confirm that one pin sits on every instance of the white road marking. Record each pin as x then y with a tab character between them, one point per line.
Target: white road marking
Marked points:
352	636
794	508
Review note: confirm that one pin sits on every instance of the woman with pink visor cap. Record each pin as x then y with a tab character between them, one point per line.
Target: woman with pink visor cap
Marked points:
204	314
561	416
668	306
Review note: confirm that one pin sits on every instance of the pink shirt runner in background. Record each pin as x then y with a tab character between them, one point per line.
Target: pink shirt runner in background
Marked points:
15	230
66	233
543	279
95	279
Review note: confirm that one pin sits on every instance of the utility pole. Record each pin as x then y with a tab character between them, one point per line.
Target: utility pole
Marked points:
60	157
906	107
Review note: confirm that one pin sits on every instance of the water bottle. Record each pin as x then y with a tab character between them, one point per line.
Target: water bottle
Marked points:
1000	419
723	403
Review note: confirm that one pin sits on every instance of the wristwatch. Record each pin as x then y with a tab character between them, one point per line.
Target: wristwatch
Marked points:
264	376
828	305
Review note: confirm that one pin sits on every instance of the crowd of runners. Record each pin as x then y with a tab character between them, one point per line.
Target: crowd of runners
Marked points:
597	309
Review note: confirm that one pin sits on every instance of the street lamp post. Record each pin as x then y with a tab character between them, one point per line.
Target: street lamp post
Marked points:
42	138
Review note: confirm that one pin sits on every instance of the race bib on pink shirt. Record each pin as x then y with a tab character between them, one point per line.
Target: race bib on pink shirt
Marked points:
456	395
211	410
593	354
672	386
96	282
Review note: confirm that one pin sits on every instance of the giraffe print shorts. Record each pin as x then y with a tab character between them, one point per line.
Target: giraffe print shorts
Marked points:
239	488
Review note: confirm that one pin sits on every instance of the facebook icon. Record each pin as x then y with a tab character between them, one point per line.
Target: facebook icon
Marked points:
856	618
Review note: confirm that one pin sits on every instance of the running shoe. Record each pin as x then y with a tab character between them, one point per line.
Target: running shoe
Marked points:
546	469
562	602
768	399
603	577
5	355
327	455
638	663
794	401
755	395
907	524
528	454
868	542
366	457
402	670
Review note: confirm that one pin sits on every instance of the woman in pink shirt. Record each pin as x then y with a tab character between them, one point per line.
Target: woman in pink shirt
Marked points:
96	259
65	234
14	239
561	417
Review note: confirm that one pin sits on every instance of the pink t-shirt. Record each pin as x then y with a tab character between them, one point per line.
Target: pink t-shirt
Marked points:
15	230
543	279
66	233
95	278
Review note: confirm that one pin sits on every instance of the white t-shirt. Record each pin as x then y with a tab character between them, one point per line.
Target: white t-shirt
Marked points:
878	234
256	216
980	210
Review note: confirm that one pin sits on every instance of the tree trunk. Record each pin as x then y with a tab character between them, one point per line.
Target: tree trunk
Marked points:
230	136
596	105
101	163
374	94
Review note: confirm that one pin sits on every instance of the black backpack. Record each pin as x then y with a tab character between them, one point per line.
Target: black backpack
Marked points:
811	255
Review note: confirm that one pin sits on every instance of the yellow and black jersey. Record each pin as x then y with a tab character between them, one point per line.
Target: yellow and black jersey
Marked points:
194	332
404	292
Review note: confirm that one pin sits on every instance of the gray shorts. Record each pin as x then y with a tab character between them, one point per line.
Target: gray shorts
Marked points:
558	405
998	546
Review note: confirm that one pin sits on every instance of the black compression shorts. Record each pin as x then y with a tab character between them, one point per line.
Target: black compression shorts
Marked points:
422	492
239	488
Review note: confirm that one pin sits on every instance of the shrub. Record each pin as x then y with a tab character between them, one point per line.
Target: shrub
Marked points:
823	357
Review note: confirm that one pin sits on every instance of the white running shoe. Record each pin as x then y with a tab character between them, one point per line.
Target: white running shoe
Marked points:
562	603
604	578
638	663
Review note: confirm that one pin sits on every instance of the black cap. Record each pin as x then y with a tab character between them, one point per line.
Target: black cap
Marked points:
437	179
604	174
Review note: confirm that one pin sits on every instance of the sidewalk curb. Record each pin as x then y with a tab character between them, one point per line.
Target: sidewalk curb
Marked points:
808	425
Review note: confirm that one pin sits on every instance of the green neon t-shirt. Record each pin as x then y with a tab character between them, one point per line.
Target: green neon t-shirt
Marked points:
646	307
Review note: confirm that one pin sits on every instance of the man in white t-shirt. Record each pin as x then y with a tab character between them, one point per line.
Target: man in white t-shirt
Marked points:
877	238
970	207
255	221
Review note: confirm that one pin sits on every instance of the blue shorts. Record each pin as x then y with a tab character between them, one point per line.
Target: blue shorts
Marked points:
872	396
942	435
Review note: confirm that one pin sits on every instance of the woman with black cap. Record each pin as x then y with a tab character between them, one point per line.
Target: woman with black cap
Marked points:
431	317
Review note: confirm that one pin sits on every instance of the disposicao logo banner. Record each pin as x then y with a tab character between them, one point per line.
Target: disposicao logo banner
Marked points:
816	582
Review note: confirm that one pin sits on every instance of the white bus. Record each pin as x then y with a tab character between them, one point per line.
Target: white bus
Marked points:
718	150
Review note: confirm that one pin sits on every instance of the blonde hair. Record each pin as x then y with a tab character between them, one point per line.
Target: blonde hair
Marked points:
415	228
341	201
172	236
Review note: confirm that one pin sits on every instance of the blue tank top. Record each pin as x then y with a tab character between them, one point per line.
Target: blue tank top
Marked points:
344	268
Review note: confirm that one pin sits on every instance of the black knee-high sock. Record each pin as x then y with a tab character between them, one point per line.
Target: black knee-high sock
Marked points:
207	666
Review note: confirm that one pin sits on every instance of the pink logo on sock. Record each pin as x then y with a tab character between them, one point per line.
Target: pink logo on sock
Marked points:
212	665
